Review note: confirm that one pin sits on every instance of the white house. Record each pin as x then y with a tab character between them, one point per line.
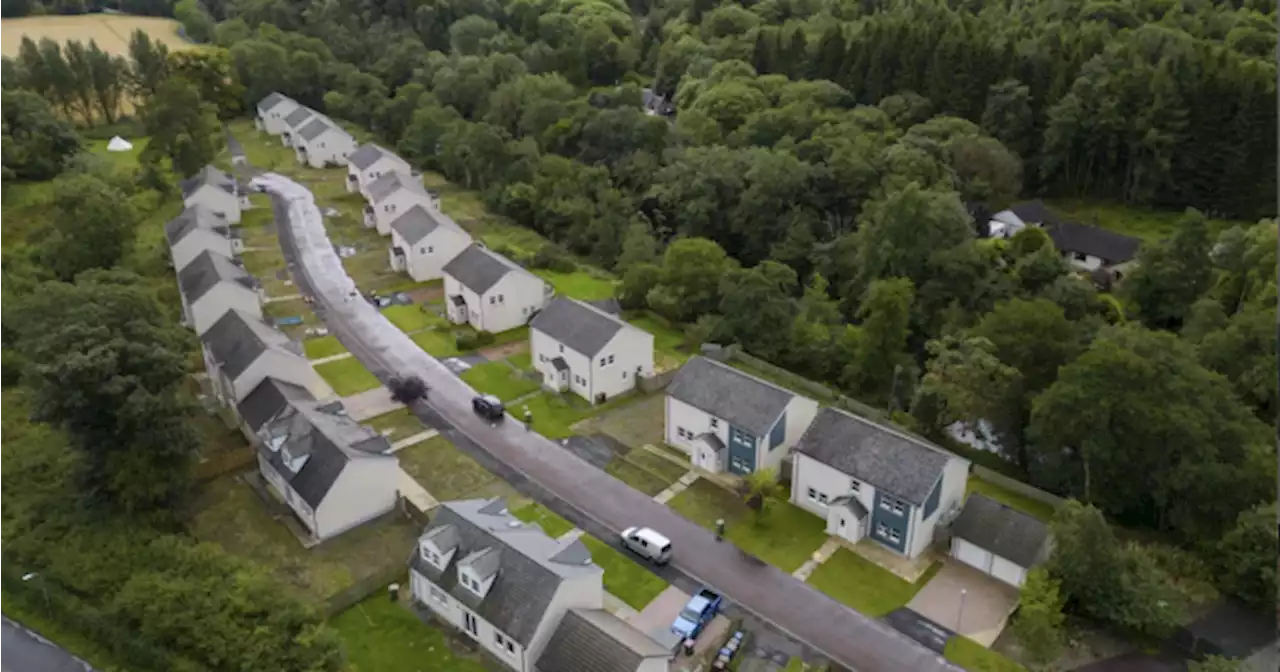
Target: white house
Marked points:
272	111
998	540
332	471
198	230
212	284
241	351
217	191
321	144
370	162
875	482
266	401
294	121
392	195
580	348
490	292
530	601
423	240
727	420
1091	248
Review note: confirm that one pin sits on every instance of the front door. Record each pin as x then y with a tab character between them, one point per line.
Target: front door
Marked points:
470	624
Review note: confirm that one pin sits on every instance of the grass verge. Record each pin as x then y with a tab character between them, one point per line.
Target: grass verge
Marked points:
347	376
396	425
974	657
325	346
446	472
500	380
623	577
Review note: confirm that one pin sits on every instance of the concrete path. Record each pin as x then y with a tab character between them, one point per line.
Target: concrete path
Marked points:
676	488
414	492
330	358
569	536
410	440
370	404
275	299
824	553
617	607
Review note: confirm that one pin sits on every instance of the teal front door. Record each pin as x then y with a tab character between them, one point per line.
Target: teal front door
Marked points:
742	452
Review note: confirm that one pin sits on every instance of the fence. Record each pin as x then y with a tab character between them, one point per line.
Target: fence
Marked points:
356	593
658	381
1028	491
803	385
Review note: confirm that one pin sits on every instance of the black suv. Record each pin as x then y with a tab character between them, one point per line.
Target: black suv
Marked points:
488	407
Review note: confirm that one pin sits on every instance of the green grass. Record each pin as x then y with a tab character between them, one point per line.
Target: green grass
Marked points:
412	318
437	343
668	342
499	379
347	376
1148	224
637	478
552	524
290	308
704	502
325	346
554	414
859	583
623	577
974	657
579	285
520	333
785	536
446	472
1027	505
396	425
795	665
380	635
522	361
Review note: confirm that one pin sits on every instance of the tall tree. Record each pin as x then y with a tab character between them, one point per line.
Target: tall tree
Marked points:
92	226
879	367
213	74
902	230
195	19
1008	116
968	383
1171	276
182	126
756	296
691	273
149	62
37	144
1246	557
1039	623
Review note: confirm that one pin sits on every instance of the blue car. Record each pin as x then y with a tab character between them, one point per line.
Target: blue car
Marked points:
697	613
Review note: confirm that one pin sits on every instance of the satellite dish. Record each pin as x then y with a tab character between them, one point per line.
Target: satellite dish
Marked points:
119	144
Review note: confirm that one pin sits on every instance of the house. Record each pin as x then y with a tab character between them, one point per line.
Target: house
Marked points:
370	162
212	284
334	473
241	351
998	540
655	104
265	402
294	121
490	292
198	230
217	191
594	640
272	111
730	421
1092	248
578	347
322	144
875	482
423	240
392	195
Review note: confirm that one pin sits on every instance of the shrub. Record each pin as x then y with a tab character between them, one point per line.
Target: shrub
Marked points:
553	258
470	340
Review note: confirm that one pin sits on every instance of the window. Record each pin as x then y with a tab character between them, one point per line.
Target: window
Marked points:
683	433
882	530
438	595
624	375
603	361
819	497
493	300
895	536
431	249
855	486
562	348
524	311
715	423
470	624
500	298
610	359
421	251
1081	256
542	358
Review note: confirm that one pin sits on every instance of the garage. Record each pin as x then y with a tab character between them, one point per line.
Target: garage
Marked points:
998	540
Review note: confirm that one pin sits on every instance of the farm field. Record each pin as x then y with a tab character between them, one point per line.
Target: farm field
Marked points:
111	31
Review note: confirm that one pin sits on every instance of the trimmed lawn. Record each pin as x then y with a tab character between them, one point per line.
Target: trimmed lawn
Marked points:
500	380
522	361
552	524
291	308
1148	224
446	472
853	580
1027	505
623	577
785	536
268	266
554	414
438	344
398	424
973	657
510	336
579	285
412	318
379	634
347	376
657	464
704	502
325	346
637	478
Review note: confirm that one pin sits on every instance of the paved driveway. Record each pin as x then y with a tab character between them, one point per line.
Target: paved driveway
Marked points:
979	614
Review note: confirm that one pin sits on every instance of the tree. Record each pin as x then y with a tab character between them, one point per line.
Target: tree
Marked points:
182	126
1216	664
759	490
92	226
1246	557
213	74
195	19
971	384
756	296
1039	623
879	361
1244	350
37	143
638	246
1008	116
110	76
150	64
1171	276
901	231
689	285
637	282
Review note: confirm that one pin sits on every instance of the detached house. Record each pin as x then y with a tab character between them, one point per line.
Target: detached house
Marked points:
217	191
212	284
392	195
198	230
266	401
727	420
370	162
241	351
321	144
1091	248
332	471
423	240
580	348
272	111
490	292
294	121
998	540
871	481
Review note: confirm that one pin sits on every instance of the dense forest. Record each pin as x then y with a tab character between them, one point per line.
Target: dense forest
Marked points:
816	197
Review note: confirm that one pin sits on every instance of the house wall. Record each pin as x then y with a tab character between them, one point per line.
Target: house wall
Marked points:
807	472
196	242
217	199
1088	262
224	296
632	350
329	147
273	120
695	421
796	418
955	477
885	522
450	609
544	348
427	260
281	365
516	297
381	167
452	287
397	204
365	490
287	493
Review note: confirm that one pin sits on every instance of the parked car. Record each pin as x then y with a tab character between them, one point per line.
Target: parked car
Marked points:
647	544
488	407
697	613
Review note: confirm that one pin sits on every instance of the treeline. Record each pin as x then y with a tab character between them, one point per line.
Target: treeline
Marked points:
12	9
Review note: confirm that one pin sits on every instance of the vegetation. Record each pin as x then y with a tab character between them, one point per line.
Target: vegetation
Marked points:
864	585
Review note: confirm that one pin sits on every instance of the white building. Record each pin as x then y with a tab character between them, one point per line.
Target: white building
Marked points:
211	284
241	351
727	420
423	241
322	144
875	482
998	540
217	191
272	111
580	348
333	472
490	292
294	121
392	195
368	163
1091	248
198	230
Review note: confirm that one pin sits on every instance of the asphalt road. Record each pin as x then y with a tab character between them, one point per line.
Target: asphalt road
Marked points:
25	651
603	506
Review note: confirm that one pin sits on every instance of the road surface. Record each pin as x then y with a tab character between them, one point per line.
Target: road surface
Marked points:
25	651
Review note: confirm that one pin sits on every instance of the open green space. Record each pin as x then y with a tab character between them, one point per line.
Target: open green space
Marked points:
705	502
347	376
1014	500
522	361
974	657
1149	224
500	379
636	424
268	266
867	587
579	285
623	577
413	317
291	308
784	536
669	346
385	636
325	346
548	520
437	343
396	425
446	472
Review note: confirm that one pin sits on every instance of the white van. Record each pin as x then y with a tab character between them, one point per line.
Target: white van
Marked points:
647	544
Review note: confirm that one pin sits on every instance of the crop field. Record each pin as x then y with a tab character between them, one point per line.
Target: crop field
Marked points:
110	31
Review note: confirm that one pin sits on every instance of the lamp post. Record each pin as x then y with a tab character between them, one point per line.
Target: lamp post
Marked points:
960	616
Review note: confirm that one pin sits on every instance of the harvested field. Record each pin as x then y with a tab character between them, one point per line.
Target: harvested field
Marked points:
110	31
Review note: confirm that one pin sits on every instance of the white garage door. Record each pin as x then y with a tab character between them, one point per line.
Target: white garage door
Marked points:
971	555
1007	571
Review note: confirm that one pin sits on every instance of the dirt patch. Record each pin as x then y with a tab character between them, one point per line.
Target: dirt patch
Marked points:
426	294
504	351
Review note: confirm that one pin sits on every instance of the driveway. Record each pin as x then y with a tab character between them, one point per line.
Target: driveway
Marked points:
980	612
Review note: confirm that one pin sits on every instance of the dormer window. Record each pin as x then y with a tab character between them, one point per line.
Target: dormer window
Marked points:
293	462
274	442
429	554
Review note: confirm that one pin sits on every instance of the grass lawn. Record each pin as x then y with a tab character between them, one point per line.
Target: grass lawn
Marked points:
412	318
554	414
347	376
370	268
637	478
396	425
1027	505
704	502
785	536
446	472
552	524
325	346
268	266
291	308
623	577
437	343
579	285
853	580
668	342
522	361
1148	224
973	657
381	635
499	379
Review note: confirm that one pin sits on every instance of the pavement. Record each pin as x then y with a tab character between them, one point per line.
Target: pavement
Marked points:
26	651
370	404
602	505
971	603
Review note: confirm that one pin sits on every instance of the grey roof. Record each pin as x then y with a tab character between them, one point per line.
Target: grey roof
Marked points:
237	339
211	176
853	504
206	270
560	364
1107	245
314	128
479	269
329	438
194	217
742	400
582	327
594	640
1010	534
445	537
418	222
367	155
886	458
268	399
298	116
530	569
391	182
1034	212
611	306
272	100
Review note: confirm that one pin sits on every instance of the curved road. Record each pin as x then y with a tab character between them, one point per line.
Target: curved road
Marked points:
837	632
26	651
